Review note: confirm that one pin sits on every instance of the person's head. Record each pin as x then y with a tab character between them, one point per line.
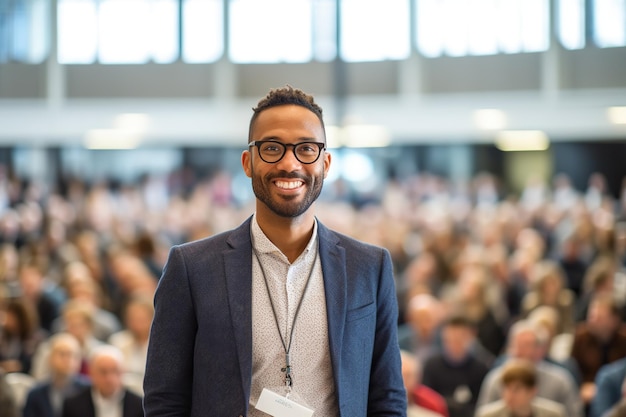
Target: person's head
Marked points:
65	355
78	318
603	316
286	179
519	385
424	314
20	319
600	276
548	279
106	370
458	333
138	317
527	340
31	280
547	317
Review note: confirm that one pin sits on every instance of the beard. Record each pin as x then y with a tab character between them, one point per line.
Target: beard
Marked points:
287	206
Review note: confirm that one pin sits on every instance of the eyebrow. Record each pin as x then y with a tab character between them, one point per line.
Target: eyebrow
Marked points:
302	139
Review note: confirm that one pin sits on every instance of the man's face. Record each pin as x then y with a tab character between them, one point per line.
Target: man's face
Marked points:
524	346
517	396
457	340
601	320
65	358
106	375
288	187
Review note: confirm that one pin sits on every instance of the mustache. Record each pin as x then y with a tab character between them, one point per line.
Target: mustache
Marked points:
285	174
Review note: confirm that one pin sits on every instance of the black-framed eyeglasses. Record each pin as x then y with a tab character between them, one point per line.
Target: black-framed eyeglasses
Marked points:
272	151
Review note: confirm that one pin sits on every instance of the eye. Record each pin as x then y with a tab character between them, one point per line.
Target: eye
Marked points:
307	148
271	147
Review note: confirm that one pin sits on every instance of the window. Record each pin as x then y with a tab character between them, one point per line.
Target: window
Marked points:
117	31
481	27
375	30
24	29
571	23
608	23
270	31
203	31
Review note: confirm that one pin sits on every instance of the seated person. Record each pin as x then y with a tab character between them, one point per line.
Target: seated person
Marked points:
457	372
107	396
46	398
527	341
519	394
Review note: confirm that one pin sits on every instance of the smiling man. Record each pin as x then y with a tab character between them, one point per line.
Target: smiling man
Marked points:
280	316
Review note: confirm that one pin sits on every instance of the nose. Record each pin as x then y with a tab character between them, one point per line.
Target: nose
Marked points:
289	162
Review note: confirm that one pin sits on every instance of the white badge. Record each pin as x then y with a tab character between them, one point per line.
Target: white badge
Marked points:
280	406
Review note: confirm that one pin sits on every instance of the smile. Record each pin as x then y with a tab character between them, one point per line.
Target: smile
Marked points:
288	185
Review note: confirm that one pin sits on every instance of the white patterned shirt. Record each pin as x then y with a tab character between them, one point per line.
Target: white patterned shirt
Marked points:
310	355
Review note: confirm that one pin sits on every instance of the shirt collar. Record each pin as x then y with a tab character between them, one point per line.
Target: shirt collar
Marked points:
262	244
98	399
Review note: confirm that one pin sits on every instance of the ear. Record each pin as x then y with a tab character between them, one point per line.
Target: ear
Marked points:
327	160
246	163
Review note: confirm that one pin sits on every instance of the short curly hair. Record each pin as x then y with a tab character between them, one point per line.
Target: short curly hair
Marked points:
284	96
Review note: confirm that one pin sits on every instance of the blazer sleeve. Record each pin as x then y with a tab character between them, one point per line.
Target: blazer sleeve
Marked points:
387	396
169	366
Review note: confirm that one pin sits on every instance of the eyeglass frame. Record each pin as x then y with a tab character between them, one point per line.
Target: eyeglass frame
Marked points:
257	143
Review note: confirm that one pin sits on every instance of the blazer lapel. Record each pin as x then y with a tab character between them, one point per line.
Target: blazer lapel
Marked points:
238	276
332	257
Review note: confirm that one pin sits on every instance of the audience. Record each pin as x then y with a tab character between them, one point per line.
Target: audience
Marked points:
468	247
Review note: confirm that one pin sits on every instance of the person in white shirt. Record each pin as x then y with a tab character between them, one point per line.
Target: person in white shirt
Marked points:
107	396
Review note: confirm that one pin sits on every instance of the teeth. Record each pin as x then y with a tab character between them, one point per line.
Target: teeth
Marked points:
288	184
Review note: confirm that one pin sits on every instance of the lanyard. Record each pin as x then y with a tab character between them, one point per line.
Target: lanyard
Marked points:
286	344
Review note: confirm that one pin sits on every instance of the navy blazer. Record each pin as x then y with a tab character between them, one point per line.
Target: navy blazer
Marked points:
38	400
200	351
81	405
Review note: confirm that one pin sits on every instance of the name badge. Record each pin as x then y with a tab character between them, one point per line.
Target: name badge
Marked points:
279	406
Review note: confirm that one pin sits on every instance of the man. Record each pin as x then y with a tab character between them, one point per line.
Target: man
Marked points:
280	304
600	340
107	395
519	394
457	372
527	341
46	399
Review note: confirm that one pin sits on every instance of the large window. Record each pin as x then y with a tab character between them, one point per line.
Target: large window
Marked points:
272	31
375	30
298	31
481	27
117	31
203	30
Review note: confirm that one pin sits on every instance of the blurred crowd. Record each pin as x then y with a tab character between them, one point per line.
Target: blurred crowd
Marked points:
496	291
